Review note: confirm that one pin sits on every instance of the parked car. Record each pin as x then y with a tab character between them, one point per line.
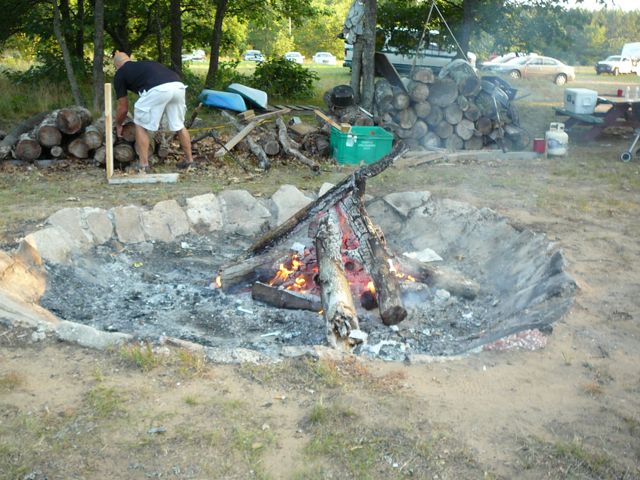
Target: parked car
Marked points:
486	65
195	55
254	56
294	57
324	58
536	67
616	64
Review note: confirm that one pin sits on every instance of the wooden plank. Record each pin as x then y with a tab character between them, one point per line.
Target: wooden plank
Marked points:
108	130
237	138
274	113
144	178
327	119
248	115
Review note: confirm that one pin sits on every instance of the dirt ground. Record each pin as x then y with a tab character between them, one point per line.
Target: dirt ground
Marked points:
570	410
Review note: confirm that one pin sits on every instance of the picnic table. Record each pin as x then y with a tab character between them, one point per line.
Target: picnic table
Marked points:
617	111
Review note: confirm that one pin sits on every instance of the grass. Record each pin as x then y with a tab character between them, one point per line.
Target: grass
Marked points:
141	356
11	381
567	459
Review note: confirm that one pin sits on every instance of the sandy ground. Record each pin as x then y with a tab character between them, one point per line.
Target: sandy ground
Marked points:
570	410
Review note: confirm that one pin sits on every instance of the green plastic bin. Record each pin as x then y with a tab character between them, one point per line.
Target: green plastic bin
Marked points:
360	145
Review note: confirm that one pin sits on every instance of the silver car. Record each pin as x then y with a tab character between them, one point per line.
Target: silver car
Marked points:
535	67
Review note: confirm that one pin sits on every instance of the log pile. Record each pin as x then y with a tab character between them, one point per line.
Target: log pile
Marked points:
264	137
70	133
454	111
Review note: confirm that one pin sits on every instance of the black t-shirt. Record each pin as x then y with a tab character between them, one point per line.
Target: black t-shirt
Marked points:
141	76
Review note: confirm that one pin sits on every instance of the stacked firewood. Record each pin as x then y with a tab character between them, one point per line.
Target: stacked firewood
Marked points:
456	110
70	133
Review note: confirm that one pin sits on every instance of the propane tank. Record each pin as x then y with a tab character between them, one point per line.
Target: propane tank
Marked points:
556	139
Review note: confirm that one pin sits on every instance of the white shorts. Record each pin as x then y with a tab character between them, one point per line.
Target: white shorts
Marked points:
167	98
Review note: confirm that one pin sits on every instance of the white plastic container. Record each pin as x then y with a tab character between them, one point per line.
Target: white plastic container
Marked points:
556	140
580	100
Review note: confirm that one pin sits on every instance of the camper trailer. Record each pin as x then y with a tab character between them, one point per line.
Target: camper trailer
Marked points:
430	55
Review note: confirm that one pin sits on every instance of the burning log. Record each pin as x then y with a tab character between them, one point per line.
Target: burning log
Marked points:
283	298
339	311
377	261
330	198
247	270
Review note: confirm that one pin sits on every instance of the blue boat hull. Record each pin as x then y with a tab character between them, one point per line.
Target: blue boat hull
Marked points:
253	96
224	100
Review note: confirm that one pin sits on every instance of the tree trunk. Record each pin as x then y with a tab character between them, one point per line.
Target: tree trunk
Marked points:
98	56
368	55
78	48
57	152
453	113
216	40
71	76
356	69
175	15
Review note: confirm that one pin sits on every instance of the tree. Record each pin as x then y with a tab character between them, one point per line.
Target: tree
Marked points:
175	14
75	90
258	11
98	55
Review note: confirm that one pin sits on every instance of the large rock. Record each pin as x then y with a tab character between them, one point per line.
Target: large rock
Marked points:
99	224
52	244
405	202
243	214
165	222
204	210
71	220
288	200
89	336
22	277
128	223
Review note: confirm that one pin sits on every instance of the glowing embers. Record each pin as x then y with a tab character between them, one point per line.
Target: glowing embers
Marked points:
297	273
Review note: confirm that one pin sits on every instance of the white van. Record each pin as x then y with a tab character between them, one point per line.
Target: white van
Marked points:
431	56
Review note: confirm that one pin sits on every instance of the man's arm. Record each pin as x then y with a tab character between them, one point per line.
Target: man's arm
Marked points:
121	113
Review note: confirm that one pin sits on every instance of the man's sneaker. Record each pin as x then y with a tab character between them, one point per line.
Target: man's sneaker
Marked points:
184	164
137	168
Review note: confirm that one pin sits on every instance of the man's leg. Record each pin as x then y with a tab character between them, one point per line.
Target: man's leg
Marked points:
185	143
142	146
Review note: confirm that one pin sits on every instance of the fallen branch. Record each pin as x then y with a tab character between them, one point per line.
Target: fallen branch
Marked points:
283	136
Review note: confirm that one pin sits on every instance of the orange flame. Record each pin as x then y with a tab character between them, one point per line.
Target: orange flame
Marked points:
218	281
371	287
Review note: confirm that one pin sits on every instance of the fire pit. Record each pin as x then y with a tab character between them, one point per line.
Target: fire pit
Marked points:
152	274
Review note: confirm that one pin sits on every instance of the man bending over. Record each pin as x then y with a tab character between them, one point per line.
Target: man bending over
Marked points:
160	91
